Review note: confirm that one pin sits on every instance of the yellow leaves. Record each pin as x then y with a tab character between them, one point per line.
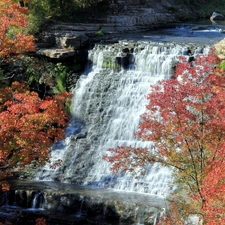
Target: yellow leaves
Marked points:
21	143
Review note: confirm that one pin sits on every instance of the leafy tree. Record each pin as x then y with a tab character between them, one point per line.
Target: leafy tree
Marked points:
60	9
185	121
28	127
14	38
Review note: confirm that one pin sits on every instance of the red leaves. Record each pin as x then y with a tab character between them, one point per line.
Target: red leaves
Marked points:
185	121
13	35
40	221
126	158
28	126
213	189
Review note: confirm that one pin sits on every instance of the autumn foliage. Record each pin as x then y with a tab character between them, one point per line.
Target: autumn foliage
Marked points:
13	33
40	221
185	121
28	127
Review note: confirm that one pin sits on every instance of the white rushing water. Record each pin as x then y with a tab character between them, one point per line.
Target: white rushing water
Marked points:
107	104
38	201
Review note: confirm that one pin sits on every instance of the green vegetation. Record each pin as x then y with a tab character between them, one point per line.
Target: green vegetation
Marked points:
61	72
204	8
222	65
43	75
61	10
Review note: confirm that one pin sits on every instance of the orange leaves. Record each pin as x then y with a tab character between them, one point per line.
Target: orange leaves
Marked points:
40	221
13	35
28	126
213	189
4	186
126	158
172	217
56	164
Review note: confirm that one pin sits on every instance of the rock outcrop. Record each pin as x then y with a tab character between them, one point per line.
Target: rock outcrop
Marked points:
77	203
61	41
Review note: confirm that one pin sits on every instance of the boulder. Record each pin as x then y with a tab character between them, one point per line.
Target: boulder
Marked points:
74	40
56	53
64	38
60	41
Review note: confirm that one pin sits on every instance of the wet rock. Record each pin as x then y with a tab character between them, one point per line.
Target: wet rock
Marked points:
79	136
62	202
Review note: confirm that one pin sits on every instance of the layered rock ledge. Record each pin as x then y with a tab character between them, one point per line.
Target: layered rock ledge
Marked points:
59	40
73	201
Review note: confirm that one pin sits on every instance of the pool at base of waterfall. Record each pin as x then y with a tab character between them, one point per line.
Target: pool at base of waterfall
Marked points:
18	216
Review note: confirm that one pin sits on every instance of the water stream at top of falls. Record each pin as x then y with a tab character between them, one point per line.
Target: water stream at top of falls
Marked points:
107	104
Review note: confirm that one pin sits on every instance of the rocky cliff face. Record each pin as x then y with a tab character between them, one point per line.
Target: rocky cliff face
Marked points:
122	16
147	14
132	15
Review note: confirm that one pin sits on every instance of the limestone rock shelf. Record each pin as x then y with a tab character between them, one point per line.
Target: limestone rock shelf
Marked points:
71	200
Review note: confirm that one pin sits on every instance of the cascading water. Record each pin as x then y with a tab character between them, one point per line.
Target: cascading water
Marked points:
38	201
107	105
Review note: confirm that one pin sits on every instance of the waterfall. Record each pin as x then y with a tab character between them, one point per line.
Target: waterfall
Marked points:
106	108
38	201
80	212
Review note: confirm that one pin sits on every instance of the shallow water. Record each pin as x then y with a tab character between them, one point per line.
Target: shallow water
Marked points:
203	32
88	191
